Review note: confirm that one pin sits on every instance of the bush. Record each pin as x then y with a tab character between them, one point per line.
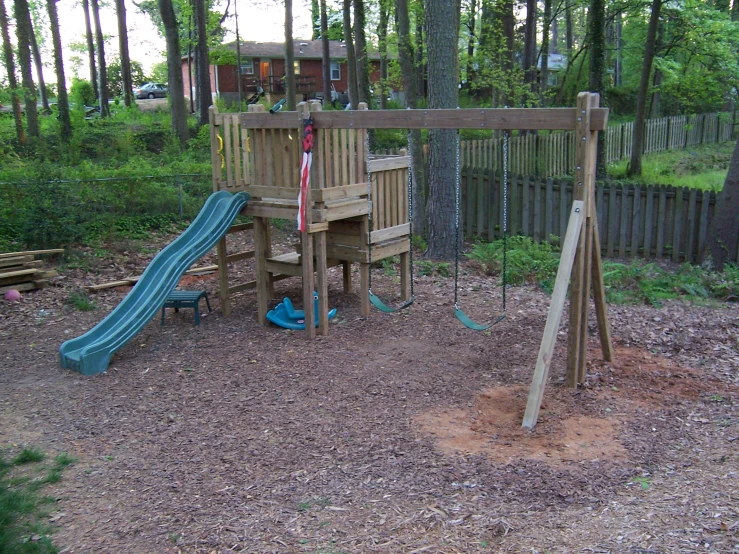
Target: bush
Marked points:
82	93
526	261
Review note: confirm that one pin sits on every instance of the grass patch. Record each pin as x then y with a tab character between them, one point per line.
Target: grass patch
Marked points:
636	283
81	302
702	167
23	529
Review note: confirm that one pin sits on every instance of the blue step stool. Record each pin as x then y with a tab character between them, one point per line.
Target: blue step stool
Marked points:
186	299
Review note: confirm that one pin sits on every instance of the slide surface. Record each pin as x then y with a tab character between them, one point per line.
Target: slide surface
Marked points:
90	353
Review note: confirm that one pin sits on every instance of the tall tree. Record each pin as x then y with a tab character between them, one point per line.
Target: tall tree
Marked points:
23	34
471	20
351	59
544	83
315	19
529	47
363	82
174	70
382	48
597	80
102	69
61	83
90	48
442	18
290	91
127	80
9	62
421	70
202	64
641	100
326	55
39	68
721	240
410	82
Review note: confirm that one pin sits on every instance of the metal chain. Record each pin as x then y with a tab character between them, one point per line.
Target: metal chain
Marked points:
410	212
505	211
457	230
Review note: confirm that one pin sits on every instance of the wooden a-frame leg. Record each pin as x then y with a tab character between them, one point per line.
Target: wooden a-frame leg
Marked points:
346	267
322	273
260	259
308	285
599	294
405	276
223	278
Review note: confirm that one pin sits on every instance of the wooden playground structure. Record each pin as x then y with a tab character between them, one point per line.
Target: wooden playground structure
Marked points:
259	152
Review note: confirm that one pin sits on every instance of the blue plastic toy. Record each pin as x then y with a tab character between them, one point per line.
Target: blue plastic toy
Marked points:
285	315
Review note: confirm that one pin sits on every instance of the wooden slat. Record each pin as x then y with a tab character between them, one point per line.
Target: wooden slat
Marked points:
677	233
661	220
240	227
635	222
16	261
32	252
648	221
339	192
691	225
623	223
551	328
390	233
703	226
385	164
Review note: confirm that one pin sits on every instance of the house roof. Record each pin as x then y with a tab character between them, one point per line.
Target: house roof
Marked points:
304	49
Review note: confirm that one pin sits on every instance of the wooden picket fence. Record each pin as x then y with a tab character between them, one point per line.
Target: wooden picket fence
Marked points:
553	154
634	221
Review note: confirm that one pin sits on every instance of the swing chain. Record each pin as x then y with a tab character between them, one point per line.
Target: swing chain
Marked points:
505	212
369	204
457	230
410	212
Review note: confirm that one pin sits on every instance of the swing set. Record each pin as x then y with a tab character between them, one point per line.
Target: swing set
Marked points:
354	209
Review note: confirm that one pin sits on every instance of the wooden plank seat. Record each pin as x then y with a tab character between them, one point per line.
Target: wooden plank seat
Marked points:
292	264
186	299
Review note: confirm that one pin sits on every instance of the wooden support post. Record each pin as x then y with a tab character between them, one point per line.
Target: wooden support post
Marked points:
347	275
599	295
223	278
307	246
364	268
261	252
579	192
322	272
215	149
405	275
546	350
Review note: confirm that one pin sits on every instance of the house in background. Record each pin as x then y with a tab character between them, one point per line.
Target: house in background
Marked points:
263	69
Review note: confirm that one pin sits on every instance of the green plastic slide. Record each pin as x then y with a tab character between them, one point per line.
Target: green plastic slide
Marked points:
90	353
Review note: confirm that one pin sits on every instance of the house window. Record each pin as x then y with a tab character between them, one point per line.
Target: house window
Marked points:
247	67
335	71
296	63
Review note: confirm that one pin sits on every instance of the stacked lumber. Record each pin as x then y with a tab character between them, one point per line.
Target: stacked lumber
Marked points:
130	281
23	272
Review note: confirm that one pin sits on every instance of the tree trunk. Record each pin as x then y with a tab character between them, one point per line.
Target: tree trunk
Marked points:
421	69
102	69
202	63
655	107
22	32
315	19
127	81
569	32
351	60
9	61
363	82
529	55
721	240
174	71
641	101
290	91
554	39
508	21
443	66
382	47
65	124
471	19
326	56
90	49
618	69
597	75
544	81
410	81
39	69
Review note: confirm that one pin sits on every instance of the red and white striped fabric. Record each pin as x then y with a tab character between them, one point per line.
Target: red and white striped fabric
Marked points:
303	196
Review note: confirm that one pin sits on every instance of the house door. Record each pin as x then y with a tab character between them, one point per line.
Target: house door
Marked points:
264	74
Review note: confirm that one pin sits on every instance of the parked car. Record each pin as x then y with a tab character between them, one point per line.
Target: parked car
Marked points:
150	90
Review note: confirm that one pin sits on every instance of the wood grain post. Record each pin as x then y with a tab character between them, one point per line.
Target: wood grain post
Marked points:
307	247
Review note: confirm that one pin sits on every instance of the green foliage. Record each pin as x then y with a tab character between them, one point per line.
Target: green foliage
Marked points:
81	302
115	76
647	283
427	268
22	511
527	261
81	93
159	73
702	167
222	56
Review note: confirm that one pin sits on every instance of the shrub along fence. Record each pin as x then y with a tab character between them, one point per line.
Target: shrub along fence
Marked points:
45	213
553	154
634	220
